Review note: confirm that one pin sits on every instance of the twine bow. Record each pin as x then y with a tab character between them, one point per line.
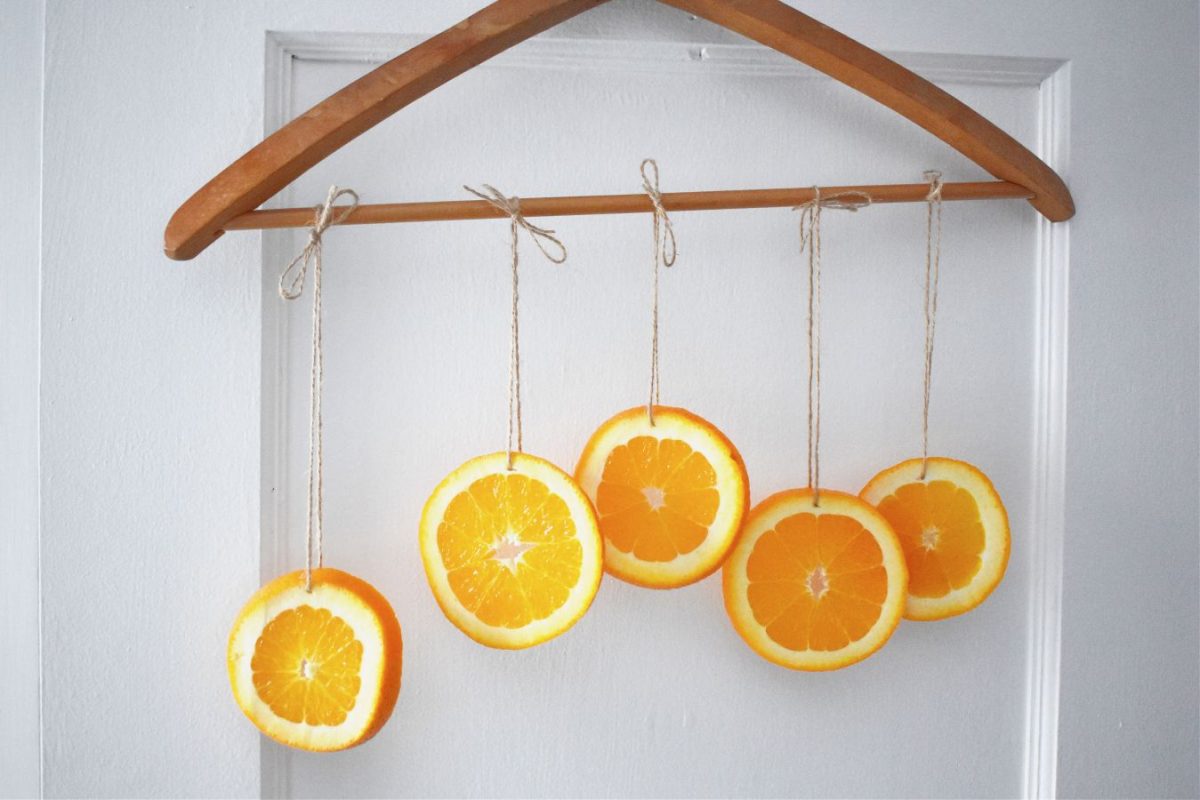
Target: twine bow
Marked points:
542	237
664	234
810	212
324	220
511	207
314	531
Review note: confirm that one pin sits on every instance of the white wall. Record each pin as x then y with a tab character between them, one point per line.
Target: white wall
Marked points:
151	375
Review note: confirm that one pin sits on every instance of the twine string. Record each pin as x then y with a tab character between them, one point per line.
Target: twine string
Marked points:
556	252
665	252
810	240
933	264
290	289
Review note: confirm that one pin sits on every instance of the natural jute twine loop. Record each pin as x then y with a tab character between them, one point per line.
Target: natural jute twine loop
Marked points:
810	239
933	265
314	531
542	237
664	237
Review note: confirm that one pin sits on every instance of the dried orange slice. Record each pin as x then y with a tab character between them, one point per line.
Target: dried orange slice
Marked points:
513	556
316	670
670	496
815	587
954	531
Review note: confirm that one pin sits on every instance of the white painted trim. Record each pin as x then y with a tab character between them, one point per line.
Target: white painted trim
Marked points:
22	744
274	760
1045	545
1050	456
662	57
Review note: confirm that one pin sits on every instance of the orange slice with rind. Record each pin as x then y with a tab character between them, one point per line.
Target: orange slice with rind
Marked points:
316	670
670	496
815	587
954	531
513	556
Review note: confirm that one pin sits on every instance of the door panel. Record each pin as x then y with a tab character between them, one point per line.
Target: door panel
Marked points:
653	693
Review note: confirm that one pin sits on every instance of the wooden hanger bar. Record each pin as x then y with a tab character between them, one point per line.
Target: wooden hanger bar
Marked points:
289	152
627	204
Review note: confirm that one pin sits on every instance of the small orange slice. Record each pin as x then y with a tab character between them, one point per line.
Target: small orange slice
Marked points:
670	496
954	531
815	587
513	556
316	670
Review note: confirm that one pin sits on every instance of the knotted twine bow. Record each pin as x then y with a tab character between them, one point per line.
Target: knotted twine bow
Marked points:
314	528
664	236
542	237
933	266
810	239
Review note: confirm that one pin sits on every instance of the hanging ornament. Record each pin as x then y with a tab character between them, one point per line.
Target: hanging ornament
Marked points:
509	542
817	579
950	520
669	488
315	655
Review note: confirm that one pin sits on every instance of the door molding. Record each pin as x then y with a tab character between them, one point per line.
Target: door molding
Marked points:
1044	548
1050	454
22	29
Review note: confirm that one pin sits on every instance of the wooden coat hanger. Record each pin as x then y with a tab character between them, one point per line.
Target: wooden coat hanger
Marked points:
228	201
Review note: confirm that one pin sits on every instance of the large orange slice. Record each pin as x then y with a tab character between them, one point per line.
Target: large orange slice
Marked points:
513	556
670	496
316	670
815	588
954	531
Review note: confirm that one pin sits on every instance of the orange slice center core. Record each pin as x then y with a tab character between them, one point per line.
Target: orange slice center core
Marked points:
816	582
929	538
508	551
940	529
656	498
509	547
305	666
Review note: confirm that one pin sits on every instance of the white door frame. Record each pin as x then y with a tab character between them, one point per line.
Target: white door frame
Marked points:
1051	77
22	25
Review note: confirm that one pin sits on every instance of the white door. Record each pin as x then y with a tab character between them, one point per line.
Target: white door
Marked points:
173	397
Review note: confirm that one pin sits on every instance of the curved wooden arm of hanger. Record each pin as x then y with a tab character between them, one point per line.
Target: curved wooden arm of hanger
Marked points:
292	150
785	29
286	154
